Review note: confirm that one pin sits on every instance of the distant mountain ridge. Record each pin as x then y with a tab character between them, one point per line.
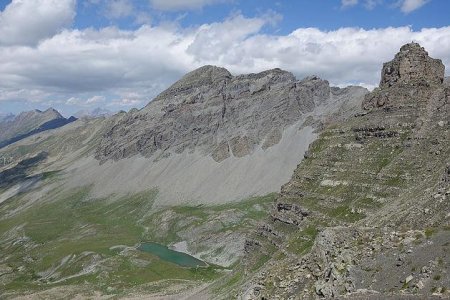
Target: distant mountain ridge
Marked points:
93	113
15	128
6	117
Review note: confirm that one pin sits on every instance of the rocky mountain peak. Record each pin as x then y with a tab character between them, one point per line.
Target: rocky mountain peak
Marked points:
221	115
205	77
53	113
205	73
411	71
412	65
28	123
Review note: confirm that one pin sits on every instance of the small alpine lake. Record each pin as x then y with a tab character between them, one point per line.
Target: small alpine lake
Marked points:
164	253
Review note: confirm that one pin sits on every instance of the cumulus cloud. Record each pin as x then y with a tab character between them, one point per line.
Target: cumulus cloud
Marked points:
25	22
347	3
116	9
182	4
125	68
371	4
95	99
210	40
408	6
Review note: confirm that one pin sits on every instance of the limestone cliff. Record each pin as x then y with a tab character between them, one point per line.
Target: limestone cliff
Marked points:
211	111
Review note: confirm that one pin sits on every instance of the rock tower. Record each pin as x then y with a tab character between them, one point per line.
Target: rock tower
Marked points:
411	73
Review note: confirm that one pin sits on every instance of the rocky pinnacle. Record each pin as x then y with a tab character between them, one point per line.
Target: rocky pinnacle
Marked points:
411	71
410	66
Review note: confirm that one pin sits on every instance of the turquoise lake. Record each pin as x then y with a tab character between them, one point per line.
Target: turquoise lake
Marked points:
179	258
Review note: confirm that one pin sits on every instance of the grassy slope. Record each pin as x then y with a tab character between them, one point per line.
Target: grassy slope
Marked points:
70	225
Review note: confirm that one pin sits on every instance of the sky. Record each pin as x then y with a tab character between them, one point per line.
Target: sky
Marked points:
77	55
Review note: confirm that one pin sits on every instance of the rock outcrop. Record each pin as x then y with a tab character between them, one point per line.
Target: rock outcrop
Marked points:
409	72
211	111
412	65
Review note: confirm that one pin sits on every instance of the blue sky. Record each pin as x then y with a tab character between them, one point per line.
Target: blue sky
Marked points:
118	54
322	14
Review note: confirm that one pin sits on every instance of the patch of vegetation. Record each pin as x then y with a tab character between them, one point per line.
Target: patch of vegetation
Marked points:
196	211
178	218
50	175
345	213
303	241
319	144
248	205
429	232
261	261
369	203
394	181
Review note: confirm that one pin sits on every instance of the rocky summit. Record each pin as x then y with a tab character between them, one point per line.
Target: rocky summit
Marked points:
412	65
221	115
411	71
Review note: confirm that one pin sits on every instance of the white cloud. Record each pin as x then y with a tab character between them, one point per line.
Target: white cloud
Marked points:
95	99
408	6
210	40
126	102
182	4
143	18
371	4
83	101
116	9
129	67
348	3
25	22
73	100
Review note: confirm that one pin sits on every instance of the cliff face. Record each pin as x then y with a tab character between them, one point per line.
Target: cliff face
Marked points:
221	115
356	216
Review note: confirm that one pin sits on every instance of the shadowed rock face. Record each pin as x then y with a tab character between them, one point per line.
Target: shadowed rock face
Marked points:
20	172
221	115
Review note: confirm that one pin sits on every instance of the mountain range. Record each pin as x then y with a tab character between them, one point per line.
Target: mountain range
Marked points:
15	128
282	188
